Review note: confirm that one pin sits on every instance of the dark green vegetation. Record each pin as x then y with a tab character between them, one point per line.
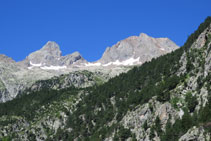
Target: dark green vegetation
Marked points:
112	100
27	104
203	117
192	38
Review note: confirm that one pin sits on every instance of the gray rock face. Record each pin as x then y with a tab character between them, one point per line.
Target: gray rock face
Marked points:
195	134
72	59
48	55
135	120
6	59
143	47
78	79
8	81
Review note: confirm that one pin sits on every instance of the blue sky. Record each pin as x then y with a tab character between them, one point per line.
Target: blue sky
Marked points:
91	26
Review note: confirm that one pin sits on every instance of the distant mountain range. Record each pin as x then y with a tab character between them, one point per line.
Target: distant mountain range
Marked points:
48	62
131	51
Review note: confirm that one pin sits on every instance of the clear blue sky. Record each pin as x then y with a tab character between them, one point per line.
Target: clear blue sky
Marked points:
89	26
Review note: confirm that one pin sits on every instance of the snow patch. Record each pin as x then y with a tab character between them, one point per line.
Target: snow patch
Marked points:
92	64
53	67
35	65
41	66
127	62
30	68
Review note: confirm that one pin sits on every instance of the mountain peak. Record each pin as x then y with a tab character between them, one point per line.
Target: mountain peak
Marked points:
50	45
4	58
52	48
50	56
76	53
143	35
142	46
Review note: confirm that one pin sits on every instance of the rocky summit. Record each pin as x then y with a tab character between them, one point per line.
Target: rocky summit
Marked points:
50	57
137	50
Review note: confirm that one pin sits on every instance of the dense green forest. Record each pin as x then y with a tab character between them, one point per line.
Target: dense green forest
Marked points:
27	104
136	87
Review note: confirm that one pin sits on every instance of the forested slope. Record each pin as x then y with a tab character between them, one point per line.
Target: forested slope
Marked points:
167	98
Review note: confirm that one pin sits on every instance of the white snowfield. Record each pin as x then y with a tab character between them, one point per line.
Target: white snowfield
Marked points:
35	65
49	67
53	67
45	67
162	49
92	64
128	62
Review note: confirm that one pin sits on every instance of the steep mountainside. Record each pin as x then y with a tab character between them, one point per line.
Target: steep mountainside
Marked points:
168	98
8	81
48	62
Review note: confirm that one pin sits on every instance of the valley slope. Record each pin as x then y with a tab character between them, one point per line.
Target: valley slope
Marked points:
167	98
